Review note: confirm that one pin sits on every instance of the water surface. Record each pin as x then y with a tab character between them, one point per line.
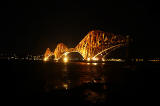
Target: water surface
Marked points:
82	83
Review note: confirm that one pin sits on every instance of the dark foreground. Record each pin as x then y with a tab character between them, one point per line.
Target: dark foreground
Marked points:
80	83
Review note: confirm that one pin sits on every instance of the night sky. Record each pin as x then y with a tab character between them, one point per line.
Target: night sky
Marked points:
32	26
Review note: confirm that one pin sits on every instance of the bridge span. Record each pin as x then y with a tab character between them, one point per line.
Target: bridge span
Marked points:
95	44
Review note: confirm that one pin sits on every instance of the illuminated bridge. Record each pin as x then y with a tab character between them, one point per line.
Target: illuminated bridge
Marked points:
95	44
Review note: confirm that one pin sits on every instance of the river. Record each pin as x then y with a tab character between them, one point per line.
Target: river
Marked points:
82	83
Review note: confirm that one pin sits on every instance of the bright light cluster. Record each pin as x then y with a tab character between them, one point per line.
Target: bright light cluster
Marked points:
45	59
88	59
103	59
65	86
65	59
95	59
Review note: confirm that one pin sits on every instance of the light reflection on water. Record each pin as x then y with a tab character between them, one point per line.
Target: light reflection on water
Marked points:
94	83
72	75
91	82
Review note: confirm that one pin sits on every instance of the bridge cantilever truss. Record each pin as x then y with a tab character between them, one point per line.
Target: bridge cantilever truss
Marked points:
95	43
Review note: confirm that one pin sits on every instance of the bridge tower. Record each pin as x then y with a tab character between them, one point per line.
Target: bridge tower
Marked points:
47	54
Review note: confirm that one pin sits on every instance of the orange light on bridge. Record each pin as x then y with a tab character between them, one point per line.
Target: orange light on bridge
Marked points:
95	43
103	59
45	59
95	59
66	54
94	64
65	59
65	86
88	59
